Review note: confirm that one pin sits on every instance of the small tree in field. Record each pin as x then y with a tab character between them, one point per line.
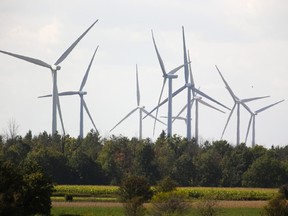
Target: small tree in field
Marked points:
134	191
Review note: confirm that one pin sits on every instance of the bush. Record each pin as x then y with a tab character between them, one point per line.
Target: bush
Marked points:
134	191
68	198
208	207
165	185
277	206
169	203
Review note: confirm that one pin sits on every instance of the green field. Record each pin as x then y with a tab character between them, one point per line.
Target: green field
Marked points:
118	211
91	193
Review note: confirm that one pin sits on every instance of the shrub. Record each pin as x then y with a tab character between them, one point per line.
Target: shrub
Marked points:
68	197
165	185
134	191
169	203
208	207
277	206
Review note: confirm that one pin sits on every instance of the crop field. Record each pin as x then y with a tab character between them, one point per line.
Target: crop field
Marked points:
102	200
109	193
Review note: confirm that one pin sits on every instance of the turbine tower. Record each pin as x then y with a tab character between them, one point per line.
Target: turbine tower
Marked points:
170	76
252	119
54	68
139	107
81	94
237	102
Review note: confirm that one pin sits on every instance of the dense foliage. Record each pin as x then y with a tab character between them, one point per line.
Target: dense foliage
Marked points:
24	189
107	161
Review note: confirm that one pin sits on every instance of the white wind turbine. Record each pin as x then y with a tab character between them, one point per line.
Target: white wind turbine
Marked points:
252	120
81	94
190	89
139	107
237	102
54	68
170	76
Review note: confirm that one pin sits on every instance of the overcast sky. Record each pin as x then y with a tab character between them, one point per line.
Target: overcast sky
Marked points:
246	39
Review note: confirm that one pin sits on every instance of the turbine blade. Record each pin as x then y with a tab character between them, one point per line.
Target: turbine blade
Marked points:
146	112
208	105
228	120
163	85
267	107
247	108
87	71
180	112
227	86
190	71
208	97
165	101
137	87
248	129
44	96
186	70
68	93
130	113
67	52
252	99
59	110
28	59
177	68
91	119
175	118
158	56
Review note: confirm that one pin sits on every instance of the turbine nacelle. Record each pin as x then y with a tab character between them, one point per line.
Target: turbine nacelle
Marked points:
55	67
170	76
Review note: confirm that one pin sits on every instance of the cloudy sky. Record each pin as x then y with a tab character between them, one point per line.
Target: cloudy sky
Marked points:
246	39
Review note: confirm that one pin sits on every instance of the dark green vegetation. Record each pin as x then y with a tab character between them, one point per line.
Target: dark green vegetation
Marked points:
24	189
97	161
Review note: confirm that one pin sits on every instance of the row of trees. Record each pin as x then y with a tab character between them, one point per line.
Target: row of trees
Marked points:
96	160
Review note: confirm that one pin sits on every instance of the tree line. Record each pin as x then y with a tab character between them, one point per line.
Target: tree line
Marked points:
107	161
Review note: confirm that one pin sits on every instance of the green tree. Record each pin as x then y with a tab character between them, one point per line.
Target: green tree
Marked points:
266	171
134	191
235	164
24	190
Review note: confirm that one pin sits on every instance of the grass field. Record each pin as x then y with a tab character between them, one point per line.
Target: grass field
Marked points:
118	211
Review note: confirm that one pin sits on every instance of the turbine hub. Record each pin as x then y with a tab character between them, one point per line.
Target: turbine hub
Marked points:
82	93
55	67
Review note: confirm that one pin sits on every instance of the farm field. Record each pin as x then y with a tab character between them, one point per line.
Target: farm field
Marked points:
102	200
109	193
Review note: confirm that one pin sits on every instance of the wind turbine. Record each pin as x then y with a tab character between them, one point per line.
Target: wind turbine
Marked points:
81	94
237	102
170	76
54	68
189	105
252	119
190	86
139	107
